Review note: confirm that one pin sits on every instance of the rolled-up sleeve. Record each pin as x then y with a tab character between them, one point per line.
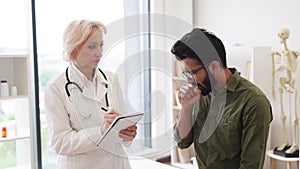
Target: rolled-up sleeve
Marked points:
183	143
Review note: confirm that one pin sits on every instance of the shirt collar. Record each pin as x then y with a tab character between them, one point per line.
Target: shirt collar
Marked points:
98	75
233	81
79	73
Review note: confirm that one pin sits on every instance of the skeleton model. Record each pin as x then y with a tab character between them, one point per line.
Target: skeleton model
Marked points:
286	62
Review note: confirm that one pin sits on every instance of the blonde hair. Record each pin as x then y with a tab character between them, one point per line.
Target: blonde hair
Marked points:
76	33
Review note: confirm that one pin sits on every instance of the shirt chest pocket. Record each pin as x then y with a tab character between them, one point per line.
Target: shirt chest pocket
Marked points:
229	124
230	132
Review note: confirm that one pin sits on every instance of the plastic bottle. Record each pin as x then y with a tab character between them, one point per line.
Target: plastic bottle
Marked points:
4	132
14	91
4	88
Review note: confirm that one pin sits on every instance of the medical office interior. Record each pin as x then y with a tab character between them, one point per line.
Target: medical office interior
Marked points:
139	53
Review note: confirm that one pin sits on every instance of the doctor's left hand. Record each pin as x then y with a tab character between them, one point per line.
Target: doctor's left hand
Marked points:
128	134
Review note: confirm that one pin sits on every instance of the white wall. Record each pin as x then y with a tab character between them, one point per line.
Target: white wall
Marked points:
243	25
249	23
259	56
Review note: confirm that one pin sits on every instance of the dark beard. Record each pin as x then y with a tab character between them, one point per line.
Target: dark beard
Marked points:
207	88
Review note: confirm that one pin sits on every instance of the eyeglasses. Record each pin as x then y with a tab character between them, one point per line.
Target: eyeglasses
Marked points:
190	74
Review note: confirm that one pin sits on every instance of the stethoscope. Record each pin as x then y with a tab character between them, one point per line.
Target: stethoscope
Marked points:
73	83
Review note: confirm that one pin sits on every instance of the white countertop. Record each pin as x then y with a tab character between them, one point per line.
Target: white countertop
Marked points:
138	163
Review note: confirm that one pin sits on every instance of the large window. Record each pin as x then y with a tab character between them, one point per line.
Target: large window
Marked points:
52	16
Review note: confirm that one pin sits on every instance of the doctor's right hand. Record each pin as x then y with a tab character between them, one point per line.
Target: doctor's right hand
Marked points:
109	117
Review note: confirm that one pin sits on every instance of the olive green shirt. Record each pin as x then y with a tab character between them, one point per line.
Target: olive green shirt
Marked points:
236	137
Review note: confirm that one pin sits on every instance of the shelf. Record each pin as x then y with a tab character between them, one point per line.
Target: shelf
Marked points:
13	55
18	167
13	97
14	138
14	68
16	110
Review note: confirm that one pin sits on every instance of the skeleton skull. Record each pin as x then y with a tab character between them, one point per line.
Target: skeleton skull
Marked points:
283	34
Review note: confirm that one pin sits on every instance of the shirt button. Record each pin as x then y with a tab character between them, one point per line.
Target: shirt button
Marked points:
210	149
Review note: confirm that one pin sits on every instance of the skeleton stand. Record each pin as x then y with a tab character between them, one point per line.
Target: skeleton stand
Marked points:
288	63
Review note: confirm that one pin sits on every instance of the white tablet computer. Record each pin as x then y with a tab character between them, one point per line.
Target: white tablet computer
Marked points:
121	122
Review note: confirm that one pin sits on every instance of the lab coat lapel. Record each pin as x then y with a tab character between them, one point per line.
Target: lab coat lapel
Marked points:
102	90
90	94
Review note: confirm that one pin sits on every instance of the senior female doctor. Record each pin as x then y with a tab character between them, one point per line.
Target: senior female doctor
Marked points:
73	102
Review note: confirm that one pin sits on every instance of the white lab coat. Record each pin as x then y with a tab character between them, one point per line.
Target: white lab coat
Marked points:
75	123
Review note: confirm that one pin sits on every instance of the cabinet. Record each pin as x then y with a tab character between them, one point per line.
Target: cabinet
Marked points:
179	157
15	113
